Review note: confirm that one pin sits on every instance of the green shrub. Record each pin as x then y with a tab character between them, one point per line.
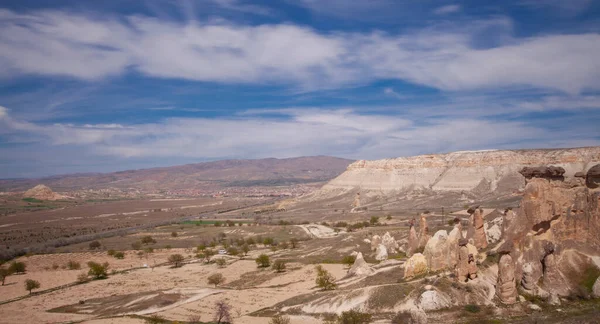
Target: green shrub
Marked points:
354	317
97	270
119	255
279	319
279	266
325	280
263	261
31	284
176	260
17	267
472	308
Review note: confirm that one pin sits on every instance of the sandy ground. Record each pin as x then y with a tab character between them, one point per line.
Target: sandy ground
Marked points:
194	275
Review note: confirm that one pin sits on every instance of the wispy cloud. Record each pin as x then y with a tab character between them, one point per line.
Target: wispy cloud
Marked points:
79	46
448	9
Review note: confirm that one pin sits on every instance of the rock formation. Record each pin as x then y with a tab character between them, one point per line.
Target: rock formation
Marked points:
506	287
389	242
466	267
453	238
413	241
360	268
356	202
478	231
432	300
375	241
423	231
559	218
416	265
458	172
42	192
437	251
596	288
381	253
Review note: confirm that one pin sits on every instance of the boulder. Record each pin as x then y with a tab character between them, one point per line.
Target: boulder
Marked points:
592	178
550	172
360	268
433	300
437	251
506	288
416	265
381	253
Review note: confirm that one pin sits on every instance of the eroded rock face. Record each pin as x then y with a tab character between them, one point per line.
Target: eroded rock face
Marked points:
375	241
596	288
551	172
416	265
437	251
592	178
42	192
506	288
360	267
556	218
453	238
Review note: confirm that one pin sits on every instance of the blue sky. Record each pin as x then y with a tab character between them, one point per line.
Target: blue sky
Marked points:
97	86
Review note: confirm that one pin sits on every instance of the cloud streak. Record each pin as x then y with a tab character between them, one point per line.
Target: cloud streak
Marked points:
90	48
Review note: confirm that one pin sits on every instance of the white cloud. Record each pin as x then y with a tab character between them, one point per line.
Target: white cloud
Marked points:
447	58
448	9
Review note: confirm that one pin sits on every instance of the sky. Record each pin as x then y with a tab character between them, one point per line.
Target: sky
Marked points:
100	86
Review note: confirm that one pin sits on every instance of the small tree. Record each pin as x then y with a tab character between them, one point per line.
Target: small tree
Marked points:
279	266
294	243
268	241
176	259
325	280
279	319
97	270
374	220
3	274
95	245
233	251
119	255
215	279
208	253
263	261
17	267
221	262
354	317
349	260
31	284
111	252
222	312
148	240
201	247
245	249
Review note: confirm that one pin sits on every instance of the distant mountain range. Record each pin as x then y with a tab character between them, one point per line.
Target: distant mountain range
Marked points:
202	176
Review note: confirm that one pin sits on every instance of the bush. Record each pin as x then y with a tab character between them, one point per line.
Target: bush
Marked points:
173	234
269	241
233	251
136	245
354	317
156	319
119	255
374	220
55	266
97	270
263	261
294	243
215	279
349	260
17	267
389	217
324	280
83	278
111	252
176	260
278	319
279	266
250	241
95	245
245	249
31	284
472	308
148	240
3	274
222	312
221	262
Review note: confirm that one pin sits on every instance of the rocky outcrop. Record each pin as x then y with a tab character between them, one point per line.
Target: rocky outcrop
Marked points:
360	268
437	251
466	267
433	300
459	171
42	192
557	222
596	288
375	241
550	172
453	238
592	178
416	265
389	242
381	253
506	288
